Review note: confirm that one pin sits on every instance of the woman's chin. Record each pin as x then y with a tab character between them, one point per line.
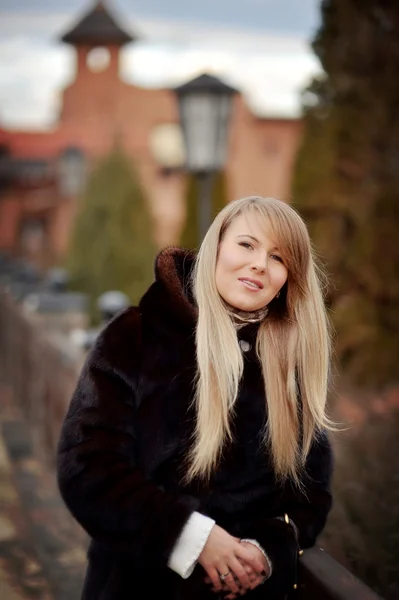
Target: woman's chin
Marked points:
245	306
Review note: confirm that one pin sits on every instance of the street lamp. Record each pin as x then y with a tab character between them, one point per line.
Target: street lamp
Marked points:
205	106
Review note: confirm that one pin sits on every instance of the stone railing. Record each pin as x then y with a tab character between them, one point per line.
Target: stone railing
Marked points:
40	367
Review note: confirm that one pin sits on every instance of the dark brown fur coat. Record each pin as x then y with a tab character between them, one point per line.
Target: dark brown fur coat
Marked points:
123	444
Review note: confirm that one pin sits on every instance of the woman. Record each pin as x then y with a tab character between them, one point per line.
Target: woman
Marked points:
195	450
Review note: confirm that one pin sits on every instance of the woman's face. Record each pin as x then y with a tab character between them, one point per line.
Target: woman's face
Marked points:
249	268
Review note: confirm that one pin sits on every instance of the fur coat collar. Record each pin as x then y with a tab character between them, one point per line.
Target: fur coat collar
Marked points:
169	298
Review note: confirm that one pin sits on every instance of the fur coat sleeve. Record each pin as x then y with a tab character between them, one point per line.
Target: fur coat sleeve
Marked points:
308	510
98	476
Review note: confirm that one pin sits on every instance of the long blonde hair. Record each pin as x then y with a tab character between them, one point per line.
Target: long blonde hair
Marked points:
293	346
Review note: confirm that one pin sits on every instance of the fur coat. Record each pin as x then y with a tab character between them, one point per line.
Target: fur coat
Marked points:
124	439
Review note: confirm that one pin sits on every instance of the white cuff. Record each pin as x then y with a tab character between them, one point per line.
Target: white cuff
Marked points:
190	544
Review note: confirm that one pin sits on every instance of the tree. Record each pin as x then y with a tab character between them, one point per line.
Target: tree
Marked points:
111	245
189	237
347	180
346	185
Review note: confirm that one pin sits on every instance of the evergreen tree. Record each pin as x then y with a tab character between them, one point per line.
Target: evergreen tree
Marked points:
347	187
347	180
190	235
111	246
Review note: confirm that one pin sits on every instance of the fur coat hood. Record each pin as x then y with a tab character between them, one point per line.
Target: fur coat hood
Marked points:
170	298
124	440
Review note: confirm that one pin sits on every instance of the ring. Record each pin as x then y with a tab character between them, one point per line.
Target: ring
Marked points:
223	577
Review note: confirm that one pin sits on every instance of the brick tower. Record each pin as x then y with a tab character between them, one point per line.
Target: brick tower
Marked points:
95	93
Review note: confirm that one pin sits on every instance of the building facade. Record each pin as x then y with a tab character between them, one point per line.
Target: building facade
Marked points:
42	173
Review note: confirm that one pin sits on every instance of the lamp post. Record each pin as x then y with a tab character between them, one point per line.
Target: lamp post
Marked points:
71	171
205	105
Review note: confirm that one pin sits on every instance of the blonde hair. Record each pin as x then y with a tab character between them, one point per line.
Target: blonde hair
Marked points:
293	346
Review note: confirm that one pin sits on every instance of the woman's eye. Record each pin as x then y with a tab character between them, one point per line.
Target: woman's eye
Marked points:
245	244
277	257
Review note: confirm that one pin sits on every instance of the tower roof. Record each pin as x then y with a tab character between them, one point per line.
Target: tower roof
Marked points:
97	27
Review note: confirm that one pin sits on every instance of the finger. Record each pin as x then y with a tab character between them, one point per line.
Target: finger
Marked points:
249	571
252	575
259	581
251	559
256	582
224	589
240	573
230	595
213	575
226	593
231	583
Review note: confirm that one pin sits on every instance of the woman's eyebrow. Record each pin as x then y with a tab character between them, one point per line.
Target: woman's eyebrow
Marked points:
247	235
256	240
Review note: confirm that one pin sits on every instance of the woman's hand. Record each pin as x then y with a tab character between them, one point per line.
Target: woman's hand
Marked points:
256	579
223	554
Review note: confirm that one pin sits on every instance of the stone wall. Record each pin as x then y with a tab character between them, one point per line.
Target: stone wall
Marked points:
39	368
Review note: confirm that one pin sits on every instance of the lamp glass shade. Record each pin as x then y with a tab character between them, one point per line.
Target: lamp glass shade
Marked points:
204	117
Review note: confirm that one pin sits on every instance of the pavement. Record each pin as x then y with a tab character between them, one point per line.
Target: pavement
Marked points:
42	549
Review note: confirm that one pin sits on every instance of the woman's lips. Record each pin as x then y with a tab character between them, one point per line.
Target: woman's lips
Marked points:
251	284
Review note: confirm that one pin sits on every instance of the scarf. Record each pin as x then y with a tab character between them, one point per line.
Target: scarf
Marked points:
241	318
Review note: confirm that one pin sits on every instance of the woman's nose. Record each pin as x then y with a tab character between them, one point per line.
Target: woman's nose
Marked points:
259	266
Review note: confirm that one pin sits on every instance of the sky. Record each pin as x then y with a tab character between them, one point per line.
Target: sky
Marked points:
261	47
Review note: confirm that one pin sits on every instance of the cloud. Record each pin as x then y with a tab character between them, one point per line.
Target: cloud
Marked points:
34	66
268	15
270	69
31	75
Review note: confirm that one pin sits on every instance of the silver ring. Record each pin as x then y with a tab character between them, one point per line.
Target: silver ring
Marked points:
223	577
